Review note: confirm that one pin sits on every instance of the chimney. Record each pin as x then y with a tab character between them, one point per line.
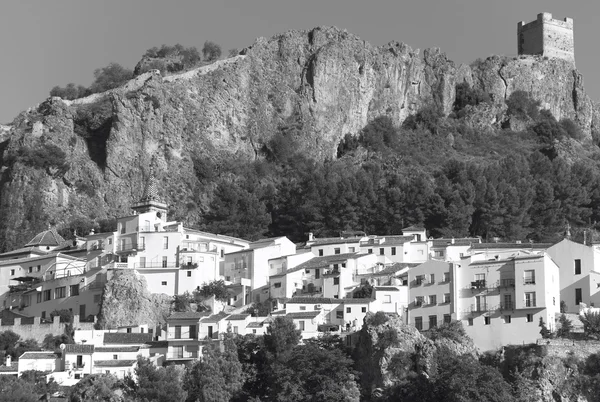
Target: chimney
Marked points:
452	242
311	237
8	360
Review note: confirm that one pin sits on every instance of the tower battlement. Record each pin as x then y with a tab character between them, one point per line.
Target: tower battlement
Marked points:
547	36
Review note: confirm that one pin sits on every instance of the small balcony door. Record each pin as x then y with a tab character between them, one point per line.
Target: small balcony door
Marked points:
210	332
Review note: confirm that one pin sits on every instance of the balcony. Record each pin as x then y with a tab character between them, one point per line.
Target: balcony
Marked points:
116	265
182	355
418	303
131	247
74	366
478	284
529	281
507	306
155	265
479	308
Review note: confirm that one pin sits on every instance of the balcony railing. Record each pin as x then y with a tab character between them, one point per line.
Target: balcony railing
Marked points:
478	284
184	355
123	248
529	281
506	306
479	308
418	303
156	265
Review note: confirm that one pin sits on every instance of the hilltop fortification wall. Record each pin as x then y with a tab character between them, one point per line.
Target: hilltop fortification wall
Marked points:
547	37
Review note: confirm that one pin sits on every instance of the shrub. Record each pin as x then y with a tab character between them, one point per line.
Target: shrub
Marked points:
428	118
214	288
109	77
453	330
46	156
347	144
211	51
544	331
572	129
522	105
379	318
465	95
591	324
70	92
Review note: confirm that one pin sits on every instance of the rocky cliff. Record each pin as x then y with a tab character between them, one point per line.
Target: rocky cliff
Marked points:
91	157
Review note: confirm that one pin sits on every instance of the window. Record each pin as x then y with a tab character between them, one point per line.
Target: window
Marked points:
447	318
382	251
480	277
348	310
418	280
39	297
486	320
301	325
193	332
578	297
317	273
530	299
419	301
30	270
110	240
235	329
529	317
122	228
43	314
419	323
97	298
320	252
142	243
277	285
507	319
142	262
166	242
12	272
529	277
39	268
432	321
363	309
189	274
439	253
393	250
446	298
432	278
60	292
177	331
74	290
470	322
164	261
351	249
302	308
432	300
115	357
507	302
446	277
253	331
336	281
339	314
387	298
370	251
336	250
164	283
577	267
222	252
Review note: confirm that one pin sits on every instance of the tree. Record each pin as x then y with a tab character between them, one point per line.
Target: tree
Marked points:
38	379
566	326
453	330
159	383
315	374
214	288
109	77
233	52
97	387
282	335
182	302
218	377
522	105
544	331
211	51
14	389
363	292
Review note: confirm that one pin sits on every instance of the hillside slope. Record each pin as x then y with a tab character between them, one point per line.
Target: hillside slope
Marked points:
90	157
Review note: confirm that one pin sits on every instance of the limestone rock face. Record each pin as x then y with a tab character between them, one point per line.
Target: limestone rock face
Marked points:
326	81
127	301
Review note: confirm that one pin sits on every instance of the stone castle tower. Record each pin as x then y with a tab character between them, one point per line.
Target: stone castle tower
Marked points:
547	37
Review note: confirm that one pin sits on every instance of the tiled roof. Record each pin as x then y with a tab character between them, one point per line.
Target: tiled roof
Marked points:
14	366
392	269
332	240
114	363
123	338
236	317
78	349
157	344
254	324
524	246
324	262
324	300
183	315
278	312
357	301
39	356
214	318
455	242
387	288
264	242
112	349
303	315
37	258
413	228
24	250
47	238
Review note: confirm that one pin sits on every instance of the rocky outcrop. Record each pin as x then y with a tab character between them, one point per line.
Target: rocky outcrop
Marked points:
127	301
325	81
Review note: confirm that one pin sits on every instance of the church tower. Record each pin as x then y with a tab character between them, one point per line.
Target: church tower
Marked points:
150	201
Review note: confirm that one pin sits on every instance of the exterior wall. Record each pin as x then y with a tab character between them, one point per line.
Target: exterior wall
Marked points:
416	252
39	364
119	372
38	331
161	280
423	292
391	301
217	329
386	252
282	264
547	36
330	249
70	362
564	254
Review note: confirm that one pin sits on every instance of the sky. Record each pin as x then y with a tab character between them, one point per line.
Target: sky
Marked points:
44	43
